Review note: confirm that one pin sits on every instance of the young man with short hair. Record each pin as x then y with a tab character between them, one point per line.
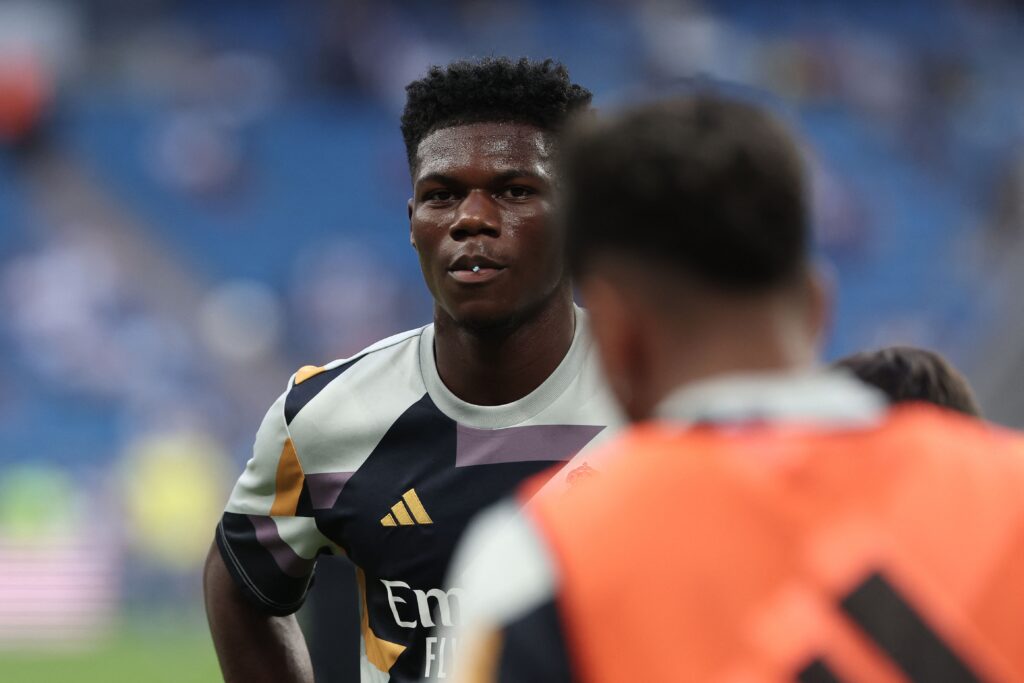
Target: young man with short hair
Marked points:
767	520
385	456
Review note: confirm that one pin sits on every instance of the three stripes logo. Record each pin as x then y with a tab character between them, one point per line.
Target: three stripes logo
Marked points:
409	511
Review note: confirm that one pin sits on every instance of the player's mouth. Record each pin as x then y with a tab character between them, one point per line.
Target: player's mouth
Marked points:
474	269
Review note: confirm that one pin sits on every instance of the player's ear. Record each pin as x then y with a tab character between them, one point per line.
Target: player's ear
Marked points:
819	286
412	239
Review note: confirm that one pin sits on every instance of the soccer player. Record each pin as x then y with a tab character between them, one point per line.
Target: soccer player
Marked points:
768	521
905	373
385	456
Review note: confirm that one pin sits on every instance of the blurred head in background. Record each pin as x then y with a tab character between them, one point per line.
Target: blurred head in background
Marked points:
689	231
26	93
480	141
905	373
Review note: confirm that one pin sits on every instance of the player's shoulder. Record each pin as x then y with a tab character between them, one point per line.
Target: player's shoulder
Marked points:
390	361
929	421
949	430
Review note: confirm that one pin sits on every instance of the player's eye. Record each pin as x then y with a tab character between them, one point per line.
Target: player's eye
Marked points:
439	196
517	192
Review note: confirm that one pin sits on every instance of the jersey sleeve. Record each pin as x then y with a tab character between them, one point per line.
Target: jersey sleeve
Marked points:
269	542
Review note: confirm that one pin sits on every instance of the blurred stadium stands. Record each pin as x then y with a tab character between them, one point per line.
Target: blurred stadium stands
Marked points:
212	194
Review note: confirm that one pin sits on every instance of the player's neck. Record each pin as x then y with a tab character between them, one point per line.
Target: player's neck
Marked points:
502	365
728	346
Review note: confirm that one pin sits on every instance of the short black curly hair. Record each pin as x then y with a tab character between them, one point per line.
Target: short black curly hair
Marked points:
490	89
709	186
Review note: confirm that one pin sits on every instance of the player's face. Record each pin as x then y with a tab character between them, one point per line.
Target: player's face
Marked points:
480	222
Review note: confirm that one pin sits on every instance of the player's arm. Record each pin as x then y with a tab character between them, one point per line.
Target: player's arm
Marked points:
252	646
261	567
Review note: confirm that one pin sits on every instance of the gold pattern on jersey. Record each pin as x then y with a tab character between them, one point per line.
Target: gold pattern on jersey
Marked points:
287	482
407	512
307	371
381	653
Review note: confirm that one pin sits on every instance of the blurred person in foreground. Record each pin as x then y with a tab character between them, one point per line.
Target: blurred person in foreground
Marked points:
906	373
764	520
387	455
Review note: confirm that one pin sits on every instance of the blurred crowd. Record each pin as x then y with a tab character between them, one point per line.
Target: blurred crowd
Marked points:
197	198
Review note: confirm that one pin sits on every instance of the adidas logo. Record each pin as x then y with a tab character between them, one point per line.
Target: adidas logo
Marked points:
407	512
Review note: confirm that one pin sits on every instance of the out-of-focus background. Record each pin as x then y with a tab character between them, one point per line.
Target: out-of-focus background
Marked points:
199	196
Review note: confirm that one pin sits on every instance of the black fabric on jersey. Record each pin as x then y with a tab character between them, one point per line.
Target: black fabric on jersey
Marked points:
330	622
534	650
301	394
304	506
817	672
878	608
236	542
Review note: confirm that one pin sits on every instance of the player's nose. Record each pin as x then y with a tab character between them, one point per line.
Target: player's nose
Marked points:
478	214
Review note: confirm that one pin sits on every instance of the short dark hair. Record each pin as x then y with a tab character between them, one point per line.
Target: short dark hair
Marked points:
500	90
712	187
906	373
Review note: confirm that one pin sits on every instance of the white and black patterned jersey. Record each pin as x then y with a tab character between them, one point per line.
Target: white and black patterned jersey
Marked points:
373	457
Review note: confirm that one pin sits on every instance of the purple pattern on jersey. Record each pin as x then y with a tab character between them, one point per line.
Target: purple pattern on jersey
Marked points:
325	487
289	562
521	444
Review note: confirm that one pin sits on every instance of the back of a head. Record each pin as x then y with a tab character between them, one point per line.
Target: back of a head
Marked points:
709	188
905	373
688	231
498	90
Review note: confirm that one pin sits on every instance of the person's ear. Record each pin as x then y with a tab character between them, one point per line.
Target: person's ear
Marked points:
819	286
412	238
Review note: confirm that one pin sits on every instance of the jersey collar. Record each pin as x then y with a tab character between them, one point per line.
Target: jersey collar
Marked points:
509	414
826	397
